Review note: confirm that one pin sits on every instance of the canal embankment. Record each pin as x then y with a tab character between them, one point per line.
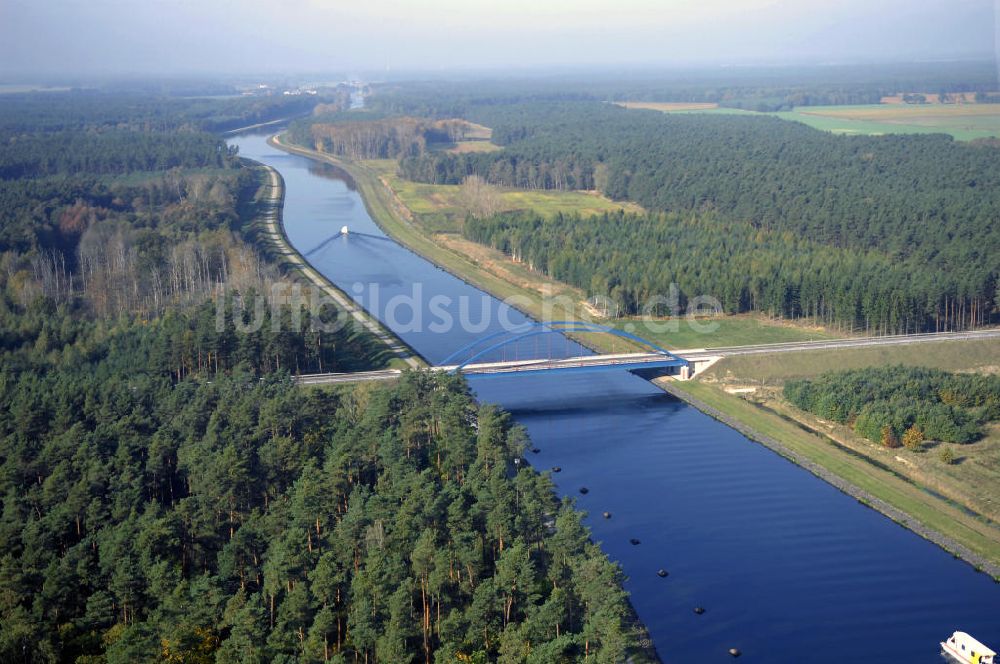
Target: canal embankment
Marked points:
926	514
276	245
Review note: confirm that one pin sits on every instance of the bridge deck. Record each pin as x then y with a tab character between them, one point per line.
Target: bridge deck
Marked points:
636	361
628	361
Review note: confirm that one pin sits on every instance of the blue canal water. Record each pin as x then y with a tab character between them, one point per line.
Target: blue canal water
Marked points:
787	568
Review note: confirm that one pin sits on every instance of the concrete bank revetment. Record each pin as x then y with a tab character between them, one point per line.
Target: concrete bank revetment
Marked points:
274	236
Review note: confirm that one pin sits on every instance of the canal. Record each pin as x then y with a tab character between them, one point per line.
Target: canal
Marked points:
787	568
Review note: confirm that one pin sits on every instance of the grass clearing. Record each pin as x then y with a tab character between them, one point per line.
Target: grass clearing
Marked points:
477	132
475	138
465	147
933	97
441	208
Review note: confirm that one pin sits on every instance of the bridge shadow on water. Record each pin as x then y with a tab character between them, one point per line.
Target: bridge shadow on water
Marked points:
558	407
558	396
340	234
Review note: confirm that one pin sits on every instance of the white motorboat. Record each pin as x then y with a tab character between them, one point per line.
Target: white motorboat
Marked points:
966	649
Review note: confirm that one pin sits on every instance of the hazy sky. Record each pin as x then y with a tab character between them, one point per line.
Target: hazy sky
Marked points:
162	36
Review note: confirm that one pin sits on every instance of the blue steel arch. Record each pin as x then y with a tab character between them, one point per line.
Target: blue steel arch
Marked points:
537	329
481	340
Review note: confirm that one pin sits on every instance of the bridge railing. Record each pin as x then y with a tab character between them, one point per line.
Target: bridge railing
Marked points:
530	330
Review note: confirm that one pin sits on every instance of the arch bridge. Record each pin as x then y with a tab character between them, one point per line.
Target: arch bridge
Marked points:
471	359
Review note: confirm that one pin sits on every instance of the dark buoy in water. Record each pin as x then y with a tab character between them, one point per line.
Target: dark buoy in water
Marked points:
662	573
699	610
607	515
584	490
634	541
535	450
735	652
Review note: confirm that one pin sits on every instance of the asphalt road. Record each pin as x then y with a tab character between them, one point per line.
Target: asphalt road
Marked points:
893	340
689	354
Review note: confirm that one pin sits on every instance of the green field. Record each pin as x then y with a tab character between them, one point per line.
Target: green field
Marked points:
965	122
743	330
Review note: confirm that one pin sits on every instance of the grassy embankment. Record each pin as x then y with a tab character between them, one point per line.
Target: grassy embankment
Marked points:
960	500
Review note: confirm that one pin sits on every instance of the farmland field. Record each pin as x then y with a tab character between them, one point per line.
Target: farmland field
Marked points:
963	121
932	97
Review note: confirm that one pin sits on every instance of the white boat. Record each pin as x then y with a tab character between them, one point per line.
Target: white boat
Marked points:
964	648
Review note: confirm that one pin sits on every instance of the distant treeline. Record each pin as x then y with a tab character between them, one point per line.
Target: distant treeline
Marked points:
897	405
82	110
108	152
120	203
750	88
